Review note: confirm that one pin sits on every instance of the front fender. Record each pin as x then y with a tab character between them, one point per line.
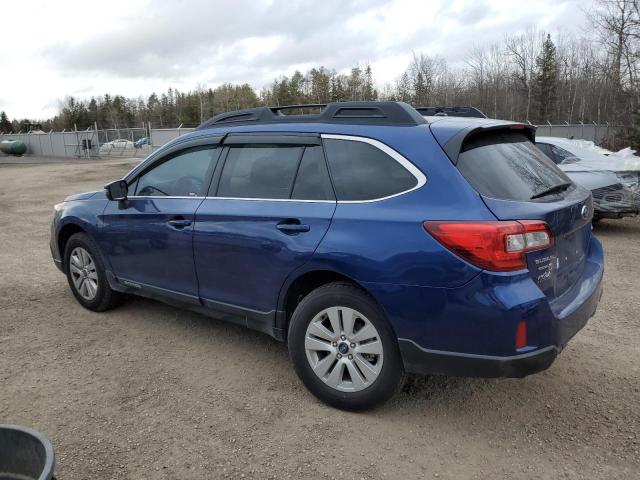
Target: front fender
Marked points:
85	215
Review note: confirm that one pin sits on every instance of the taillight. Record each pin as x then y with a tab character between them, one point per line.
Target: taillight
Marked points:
498	246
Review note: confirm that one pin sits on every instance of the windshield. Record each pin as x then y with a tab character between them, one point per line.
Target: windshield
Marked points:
507	166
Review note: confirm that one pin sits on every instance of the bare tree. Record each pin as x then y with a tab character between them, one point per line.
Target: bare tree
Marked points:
523	49
616	24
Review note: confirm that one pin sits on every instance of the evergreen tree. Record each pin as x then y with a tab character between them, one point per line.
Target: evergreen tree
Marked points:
296	89
5	124
545	81
155	110
369	92
340	89
320	80
420	92
93	110
403	88
355	84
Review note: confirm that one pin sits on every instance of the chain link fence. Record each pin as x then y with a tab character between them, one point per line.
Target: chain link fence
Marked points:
87	144
160	136
598	134
73	144
140	142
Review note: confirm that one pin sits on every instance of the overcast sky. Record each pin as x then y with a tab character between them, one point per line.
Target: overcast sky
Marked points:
134	47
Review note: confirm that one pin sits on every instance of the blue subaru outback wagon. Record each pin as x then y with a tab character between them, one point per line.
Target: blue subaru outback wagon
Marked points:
371	239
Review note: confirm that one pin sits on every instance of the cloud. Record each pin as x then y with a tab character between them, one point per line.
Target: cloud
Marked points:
169	42
135	47
474	13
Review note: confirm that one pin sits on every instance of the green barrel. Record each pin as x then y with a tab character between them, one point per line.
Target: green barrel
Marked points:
13	147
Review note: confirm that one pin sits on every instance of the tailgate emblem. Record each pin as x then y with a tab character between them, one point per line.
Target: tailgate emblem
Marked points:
585	211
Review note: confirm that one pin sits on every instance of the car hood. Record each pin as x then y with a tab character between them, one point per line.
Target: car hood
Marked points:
85	196
593	180
612	163
619	163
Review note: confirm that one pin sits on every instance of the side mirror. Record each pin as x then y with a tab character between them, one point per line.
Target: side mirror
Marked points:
116	190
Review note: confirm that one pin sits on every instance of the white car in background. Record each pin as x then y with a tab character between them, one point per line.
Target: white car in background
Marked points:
614	180
120	146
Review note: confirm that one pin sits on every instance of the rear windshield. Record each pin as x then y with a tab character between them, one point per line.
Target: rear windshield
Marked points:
506	165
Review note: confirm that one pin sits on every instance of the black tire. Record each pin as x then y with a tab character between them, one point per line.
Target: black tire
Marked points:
105	298
391	376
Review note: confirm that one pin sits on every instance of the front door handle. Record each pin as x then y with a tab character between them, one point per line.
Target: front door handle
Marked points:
179	223
292	227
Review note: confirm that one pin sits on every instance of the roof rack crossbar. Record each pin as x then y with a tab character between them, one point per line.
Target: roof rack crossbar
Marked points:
454	111
368	113
301	106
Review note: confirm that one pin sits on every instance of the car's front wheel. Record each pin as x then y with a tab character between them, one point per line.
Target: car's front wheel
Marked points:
86	274
343	348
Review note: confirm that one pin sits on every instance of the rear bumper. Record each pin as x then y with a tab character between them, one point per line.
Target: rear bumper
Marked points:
471	330
419	360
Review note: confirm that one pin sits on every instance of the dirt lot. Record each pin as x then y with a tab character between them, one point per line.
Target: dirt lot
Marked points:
150	391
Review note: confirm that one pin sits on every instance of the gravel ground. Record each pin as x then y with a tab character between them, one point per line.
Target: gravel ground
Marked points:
150	391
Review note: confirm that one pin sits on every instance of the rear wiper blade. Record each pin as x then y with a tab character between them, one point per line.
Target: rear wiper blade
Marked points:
555	189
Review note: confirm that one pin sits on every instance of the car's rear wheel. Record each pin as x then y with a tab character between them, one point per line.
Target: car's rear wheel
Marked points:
86	274
343	348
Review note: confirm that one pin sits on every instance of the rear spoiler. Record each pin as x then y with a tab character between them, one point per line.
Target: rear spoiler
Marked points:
454	145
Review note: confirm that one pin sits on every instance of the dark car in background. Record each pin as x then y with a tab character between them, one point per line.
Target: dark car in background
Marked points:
615	188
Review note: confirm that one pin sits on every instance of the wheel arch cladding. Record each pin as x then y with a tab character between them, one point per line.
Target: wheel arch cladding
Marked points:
65	234
307	282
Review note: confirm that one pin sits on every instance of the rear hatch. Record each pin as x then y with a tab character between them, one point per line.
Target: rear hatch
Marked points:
518	182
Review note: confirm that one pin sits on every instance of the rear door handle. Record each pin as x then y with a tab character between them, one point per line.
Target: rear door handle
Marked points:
292	227
179	223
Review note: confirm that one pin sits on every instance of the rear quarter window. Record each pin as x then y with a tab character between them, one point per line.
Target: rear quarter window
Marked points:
507	166
361	171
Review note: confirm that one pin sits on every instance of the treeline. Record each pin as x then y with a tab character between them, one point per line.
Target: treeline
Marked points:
530	76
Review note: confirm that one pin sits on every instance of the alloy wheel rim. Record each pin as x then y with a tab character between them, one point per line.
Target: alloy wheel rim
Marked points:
344	349
83	273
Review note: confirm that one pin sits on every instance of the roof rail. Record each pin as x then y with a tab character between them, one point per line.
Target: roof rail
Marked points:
360	113
451	112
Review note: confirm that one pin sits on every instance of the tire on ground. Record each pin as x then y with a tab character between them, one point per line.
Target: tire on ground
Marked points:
343	294
105	298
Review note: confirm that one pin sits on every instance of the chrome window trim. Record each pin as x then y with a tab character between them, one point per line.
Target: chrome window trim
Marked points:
415	171
232	198
271	199
170	197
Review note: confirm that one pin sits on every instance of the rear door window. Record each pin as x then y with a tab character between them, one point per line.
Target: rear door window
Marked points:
361	171
259	171
506	165
312	181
